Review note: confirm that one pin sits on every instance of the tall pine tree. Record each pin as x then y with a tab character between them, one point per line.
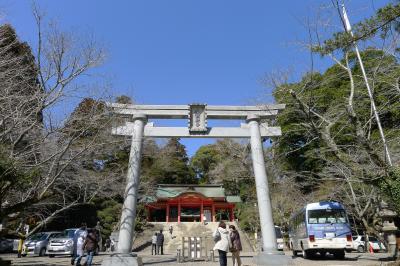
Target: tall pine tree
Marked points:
172	165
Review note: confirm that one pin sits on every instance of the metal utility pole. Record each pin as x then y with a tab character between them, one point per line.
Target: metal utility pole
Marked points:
347	27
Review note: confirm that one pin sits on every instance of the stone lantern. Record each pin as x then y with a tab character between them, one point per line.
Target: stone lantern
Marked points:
389	228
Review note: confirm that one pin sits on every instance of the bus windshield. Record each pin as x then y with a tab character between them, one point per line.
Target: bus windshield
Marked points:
327	216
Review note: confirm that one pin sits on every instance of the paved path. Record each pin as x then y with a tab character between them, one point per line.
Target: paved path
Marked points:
361	259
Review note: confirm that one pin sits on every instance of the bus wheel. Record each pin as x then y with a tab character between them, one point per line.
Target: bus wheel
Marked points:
294	252
323	254
339	254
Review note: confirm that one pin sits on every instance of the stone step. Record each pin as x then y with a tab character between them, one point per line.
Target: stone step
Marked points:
173	242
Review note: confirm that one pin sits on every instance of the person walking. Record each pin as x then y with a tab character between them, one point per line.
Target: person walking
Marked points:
90	246
154	244
108	244
222	243
98	227
81	234
160	243
78	232
204	220
21	241
171	230
236	245
112	245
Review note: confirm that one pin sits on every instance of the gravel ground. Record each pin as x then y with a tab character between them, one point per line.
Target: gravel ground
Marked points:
362	259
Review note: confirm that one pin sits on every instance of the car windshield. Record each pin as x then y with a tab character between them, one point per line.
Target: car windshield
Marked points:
38	237
327	216
278	232
57	235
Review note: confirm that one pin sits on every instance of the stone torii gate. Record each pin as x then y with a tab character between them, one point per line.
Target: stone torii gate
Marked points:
197	116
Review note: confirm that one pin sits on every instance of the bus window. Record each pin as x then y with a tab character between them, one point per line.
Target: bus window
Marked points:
327	216
312	220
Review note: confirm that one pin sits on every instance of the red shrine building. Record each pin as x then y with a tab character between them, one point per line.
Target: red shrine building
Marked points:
190	203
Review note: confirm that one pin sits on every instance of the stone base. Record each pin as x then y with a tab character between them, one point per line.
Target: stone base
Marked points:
118	259
272	258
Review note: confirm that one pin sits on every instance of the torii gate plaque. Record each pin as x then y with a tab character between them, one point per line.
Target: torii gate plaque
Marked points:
197	115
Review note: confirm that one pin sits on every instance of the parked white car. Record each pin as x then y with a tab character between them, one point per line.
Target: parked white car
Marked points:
63	244
359	244
279	238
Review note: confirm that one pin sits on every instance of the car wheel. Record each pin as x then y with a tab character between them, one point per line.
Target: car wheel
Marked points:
360	248
42	252
51	256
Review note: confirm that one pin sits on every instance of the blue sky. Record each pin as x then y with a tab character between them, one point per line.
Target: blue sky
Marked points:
185	51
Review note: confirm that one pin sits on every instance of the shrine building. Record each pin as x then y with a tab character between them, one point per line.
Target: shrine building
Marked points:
190	203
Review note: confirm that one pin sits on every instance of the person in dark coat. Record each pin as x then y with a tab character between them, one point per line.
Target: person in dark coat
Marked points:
160	243
236	245
90	246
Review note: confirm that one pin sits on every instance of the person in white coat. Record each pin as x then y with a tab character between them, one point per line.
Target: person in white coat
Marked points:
81	234
222	243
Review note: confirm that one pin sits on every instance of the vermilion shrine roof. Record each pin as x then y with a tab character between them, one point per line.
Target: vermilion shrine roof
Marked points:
214	191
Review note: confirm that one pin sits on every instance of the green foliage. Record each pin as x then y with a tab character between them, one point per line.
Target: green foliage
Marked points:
390	186
204	161
171	165
248	217
109	212
301	145
382	22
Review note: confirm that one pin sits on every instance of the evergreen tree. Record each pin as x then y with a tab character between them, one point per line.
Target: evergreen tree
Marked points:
171	165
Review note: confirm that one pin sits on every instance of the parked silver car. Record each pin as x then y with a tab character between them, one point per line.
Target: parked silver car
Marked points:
63	244
7	243
36	244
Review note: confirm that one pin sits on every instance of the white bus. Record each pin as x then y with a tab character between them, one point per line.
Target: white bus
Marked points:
320	227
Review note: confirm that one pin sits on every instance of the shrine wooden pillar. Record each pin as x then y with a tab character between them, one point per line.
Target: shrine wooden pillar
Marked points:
213	212
167	213
179	211
148	214
232	217
201	211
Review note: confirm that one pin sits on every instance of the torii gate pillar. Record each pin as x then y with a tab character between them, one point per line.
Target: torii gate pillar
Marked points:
124	255
270	254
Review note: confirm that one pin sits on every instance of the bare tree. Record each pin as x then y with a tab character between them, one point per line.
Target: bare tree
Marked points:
48	161
350	171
